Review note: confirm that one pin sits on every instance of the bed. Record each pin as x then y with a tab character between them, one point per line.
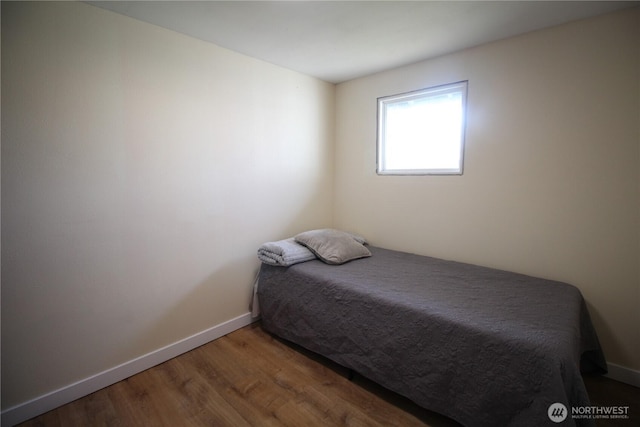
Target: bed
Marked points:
482	346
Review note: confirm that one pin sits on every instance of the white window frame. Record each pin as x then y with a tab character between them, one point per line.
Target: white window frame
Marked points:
385	102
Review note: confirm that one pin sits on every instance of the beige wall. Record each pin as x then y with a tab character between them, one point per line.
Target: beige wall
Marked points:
141	169
551	184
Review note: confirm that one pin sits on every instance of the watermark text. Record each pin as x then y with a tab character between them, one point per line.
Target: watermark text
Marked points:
558	412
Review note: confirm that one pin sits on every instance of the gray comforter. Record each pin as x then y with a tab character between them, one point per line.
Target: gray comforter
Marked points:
485	347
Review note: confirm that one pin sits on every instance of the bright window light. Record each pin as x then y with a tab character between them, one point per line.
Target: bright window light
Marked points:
422	132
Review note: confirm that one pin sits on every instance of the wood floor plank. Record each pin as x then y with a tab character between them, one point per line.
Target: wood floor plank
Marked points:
321	403
240	388
193	398
332	380
96	408
137	400
250	378
605	392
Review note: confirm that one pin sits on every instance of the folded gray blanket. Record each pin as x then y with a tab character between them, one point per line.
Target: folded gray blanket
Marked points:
284	253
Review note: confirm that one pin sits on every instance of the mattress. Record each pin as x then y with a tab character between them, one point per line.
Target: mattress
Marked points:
482	346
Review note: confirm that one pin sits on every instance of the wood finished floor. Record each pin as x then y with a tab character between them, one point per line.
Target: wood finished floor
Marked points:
249	378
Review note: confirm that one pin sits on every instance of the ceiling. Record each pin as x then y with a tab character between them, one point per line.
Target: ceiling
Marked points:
340	40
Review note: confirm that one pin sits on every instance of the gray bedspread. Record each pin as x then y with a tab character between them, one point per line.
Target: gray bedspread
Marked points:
482	346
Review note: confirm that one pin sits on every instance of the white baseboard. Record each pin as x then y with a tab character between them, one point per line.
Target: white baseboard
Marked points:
56	398
622	374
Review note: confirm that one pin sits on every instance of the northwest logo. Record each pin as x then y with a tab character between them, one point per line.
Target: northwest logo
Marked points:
557	412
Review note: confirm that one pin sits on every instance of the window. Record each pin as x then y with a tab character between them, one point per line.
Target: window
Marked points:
422	132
